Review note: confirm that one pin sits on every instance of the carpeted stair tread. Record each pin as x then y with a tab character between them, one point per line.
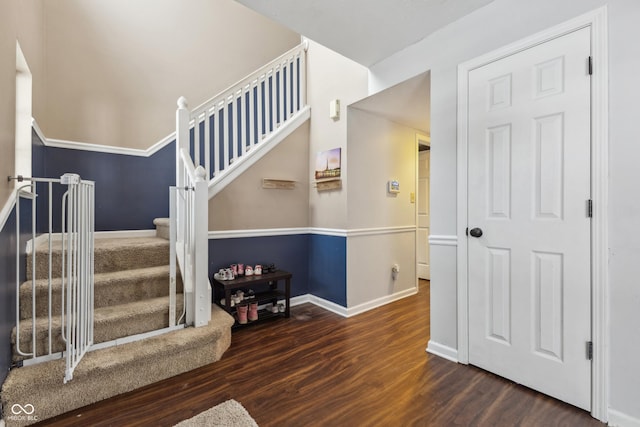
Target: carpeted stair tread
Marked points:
162	227
110	323
116	370
110	254
111	288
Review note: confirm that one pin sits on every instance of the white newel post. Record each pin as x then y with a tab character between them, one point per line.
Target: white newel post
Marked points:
182	141
202	294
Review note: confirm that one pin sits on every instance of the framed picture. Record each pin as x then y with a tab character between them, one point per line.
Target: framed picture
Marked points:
328	164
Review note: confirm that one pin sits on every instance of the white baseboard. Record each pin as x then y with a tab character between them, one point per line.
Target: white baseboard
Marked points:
378	302
443	351
620	419
301	299
328	305
353	311
120	234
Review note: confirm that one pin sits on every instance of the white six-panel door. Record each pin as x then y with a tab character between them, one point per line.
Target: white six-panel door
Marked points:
528	187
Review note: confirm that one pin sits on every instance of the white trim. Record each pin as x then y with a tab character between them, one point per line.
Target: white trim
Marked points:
120	234
217	184
379	302
360	232
328	305
443	351
443	240
336	232
597	20
264	232
39	132
85	146
620	419
124	234
268	232
352	311
599	223
7	208
299	300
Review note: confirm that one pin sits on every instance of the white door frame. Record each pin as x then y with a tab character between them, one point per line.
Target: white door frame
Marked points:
421	139
597	20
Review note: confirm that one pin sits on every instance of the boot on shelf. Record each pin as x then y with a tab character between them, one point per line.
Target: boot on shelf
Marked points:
253	311
242	314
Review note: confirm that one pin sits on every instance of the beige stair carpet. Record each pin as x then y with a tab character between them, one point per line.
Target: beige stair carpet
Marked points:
116	370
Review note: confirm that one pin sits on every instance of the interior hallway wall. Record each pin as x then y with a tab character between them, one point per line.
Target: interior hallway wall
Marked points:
380	150
489	28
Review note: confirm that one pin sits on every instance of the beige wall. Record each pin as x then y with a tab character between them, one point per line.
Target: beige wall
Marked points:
8	20
330	76
380	150
30	34
19	20
116	68
244	204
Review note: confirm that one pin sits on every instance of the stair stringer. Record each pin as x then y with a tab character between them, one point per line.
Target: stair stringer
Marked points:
226	177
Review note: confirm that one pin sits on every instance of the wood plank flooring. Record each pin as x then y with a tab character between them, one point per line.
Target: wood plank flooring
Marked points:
319	369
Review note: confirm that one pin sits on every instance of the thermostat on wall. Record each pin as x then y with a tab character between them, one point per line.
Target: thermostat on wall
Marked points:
393	186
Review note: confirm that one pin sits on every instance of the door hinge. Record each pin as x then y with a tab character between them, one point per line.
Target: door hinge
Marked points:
590	66
589	350
590	208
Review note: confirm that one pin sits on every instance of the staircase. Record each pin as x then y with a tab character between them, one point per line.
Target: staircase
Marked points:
131	297
135	340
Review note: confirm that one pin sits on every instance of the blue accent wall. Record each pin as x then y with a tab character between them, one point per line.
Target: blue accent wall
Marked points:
37	155
130	190
328	268
7	291
286	252
318	262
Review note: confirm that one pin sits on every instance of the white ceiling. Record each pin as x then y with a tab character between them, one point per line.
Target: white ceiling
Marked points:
366	31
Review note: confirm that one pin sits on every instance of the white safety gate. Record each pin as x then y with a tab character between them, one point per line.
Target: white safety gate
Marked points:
76	240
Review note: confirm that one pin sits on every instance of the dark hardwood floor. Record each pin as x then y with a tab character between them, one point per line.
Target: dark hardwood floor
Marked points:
319	369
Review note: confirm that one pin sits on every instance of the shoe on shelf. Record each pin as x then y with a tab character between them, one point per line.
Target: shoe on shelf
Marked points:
253	311
242	314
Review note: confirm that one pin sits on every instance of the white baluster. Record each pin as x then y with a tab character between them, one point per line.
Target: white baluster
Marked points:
235	152
282	94
207	142
216	140
225	134
252	118
243	120
273	108
260	102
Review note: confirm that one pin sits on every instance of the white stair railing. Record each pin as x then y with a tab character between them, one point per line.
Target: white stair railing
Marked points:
77	270
232	123
211	141
189	230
